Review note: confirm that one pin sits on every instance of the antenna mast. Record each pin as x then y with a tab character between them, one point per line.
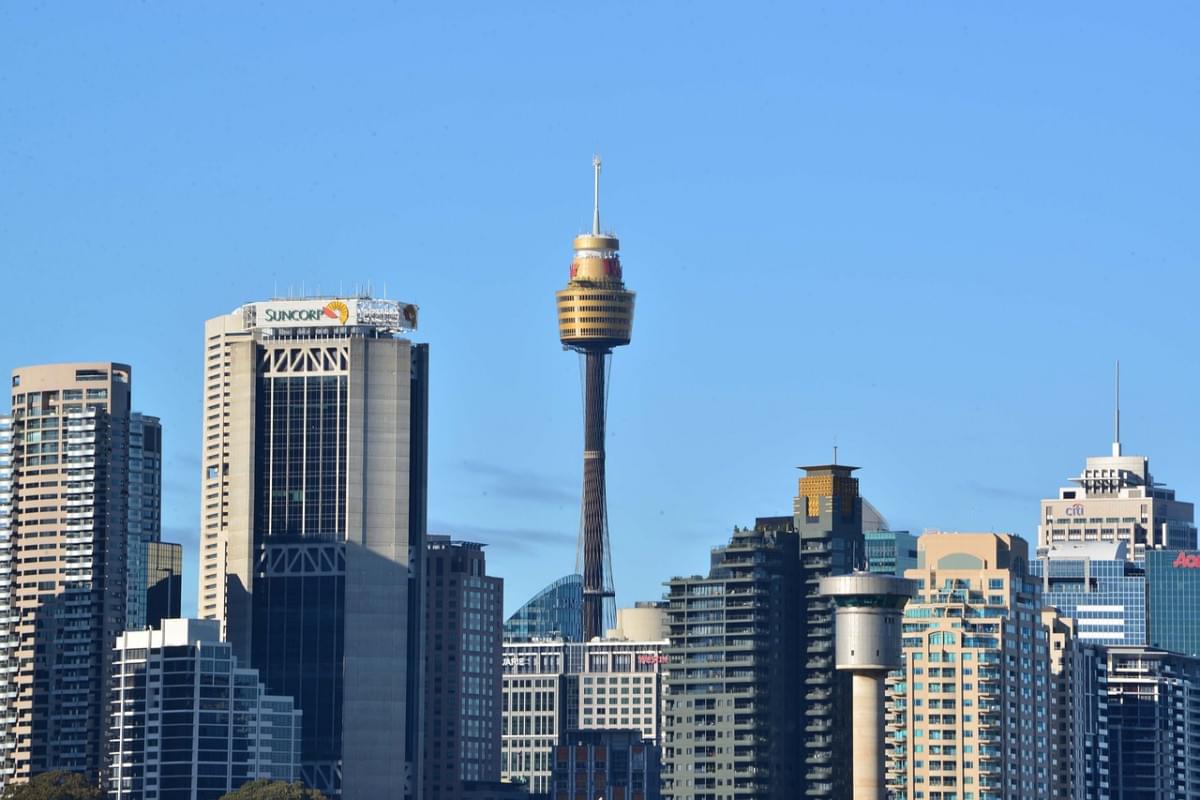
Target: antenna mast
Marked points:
596	197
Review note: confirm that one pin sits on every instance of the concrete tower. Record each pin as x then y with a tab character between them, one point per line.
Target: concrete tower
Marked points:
595	314
869	608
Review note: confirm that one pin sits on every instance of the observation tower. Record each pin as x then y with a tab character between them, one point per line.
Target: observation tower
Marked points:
595	314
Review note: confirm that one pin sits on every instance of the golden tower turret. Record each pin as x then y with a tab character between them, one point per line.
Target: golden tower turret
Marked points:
595	314
595	310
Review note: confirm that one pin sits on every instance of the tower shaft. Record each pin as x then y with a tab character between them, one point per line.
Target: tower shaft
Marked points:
599	611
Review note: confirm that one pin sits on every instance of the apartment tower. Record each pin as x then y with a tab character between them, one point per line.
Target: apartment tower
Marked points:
828	513
595	314
63	582
313	525
734	719
464	607
972	710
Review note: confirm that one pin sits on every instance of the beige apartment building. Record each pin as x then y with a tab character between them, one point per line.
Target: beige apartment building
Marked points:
64	473
971	717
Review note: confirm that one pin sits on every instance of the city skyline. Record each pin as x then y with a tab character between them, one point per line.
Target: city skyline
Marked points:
953	217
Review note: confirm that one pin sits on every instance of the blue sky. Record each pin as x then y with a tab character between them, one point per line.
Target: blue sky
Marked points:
923	232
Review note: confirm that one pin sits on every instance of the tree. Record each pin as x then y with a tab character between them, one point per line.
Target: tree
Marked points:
263	789
55	785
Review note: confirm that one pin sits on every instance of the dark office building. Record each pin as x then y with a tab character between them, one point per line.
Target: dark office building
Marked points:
463	649
313	511
553	613
733	703
609	764
164	582
828	518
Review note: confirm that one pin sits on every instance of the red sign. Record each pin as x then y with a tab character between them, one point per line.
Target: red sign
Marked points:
653	659
1187	562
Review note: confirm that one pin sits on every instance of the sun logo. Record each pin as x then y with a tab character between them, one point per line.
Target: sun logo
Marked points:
337	310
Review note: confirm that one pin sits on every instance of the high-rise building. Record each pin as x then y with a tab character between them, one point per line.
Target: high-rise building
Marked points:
1172	596
609	764
463	648
189	722
1151	704
890	552
971	710
828	514
1063	649
63	596
595	314
869	608
555	612
164	582
1117	499
733	703
554	687
1095	584
145	513
312	525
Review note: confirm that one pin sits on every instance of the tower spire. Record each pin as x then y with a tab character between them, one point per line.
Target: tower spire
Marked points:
1116	448
596	197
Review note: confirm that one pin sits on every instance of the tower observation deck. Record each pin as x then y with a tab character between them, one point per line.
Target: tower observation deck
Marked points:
595	314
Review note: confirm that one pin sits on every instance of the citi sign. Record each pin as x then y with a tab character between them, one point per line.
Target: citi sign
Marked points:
1184	561
1075	510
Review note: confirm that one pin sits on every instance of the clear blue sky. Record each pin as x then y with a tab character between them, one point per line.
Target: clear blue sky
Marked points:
922	231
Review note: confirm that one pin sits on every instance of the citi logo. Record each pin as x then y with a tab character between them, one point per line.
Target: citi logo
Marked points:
1075	510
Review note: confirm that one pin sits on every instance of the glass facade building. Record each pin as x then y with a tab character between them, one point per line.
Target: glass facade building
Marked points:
312	525
164	582
1099	588
1173	594
553	613
188	723
890	552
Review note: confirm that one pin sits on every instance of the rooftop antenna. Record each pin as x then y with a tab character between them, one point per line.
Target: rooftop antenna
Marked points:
835	455
1116	448
596	197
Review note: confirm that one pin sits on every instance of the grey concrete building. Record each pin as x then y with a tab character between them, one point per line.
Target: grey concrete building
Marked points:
312	524
733	728
463	650
188	722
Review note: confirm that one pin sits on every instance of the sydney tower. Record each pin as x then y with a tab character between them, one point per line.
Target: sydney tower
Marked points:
595	314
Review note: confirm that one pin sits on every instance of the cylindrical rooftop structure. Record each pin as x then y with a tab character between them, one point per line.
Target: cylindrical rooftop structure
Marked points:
867	629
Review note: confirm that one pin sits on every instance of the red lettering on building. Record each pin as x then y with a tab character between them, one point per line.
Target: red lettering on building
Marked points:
1184	561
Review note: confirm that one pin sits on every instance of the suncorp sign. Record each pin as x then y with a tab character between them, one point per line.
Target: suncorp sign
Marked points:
388	315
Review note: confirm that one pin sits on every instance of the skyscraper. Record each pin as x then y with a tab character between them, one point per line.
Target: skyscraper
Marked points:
463	641
595	314
828	513
1116	499
972	711
1095	584
145	511
313	524
734	718
64	589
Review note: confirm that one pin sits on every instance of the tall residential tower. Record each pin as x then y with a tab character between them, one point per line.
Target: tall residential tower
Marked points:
595	314
313	525
68	554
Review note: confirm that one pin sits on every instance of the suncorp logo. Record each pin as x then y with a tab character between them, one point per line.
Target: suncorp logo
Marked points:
1184	561
335	309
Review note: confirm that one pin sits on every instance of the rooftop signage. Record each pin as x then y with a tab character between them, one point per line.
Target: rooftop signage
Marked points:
1185	561
388	315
